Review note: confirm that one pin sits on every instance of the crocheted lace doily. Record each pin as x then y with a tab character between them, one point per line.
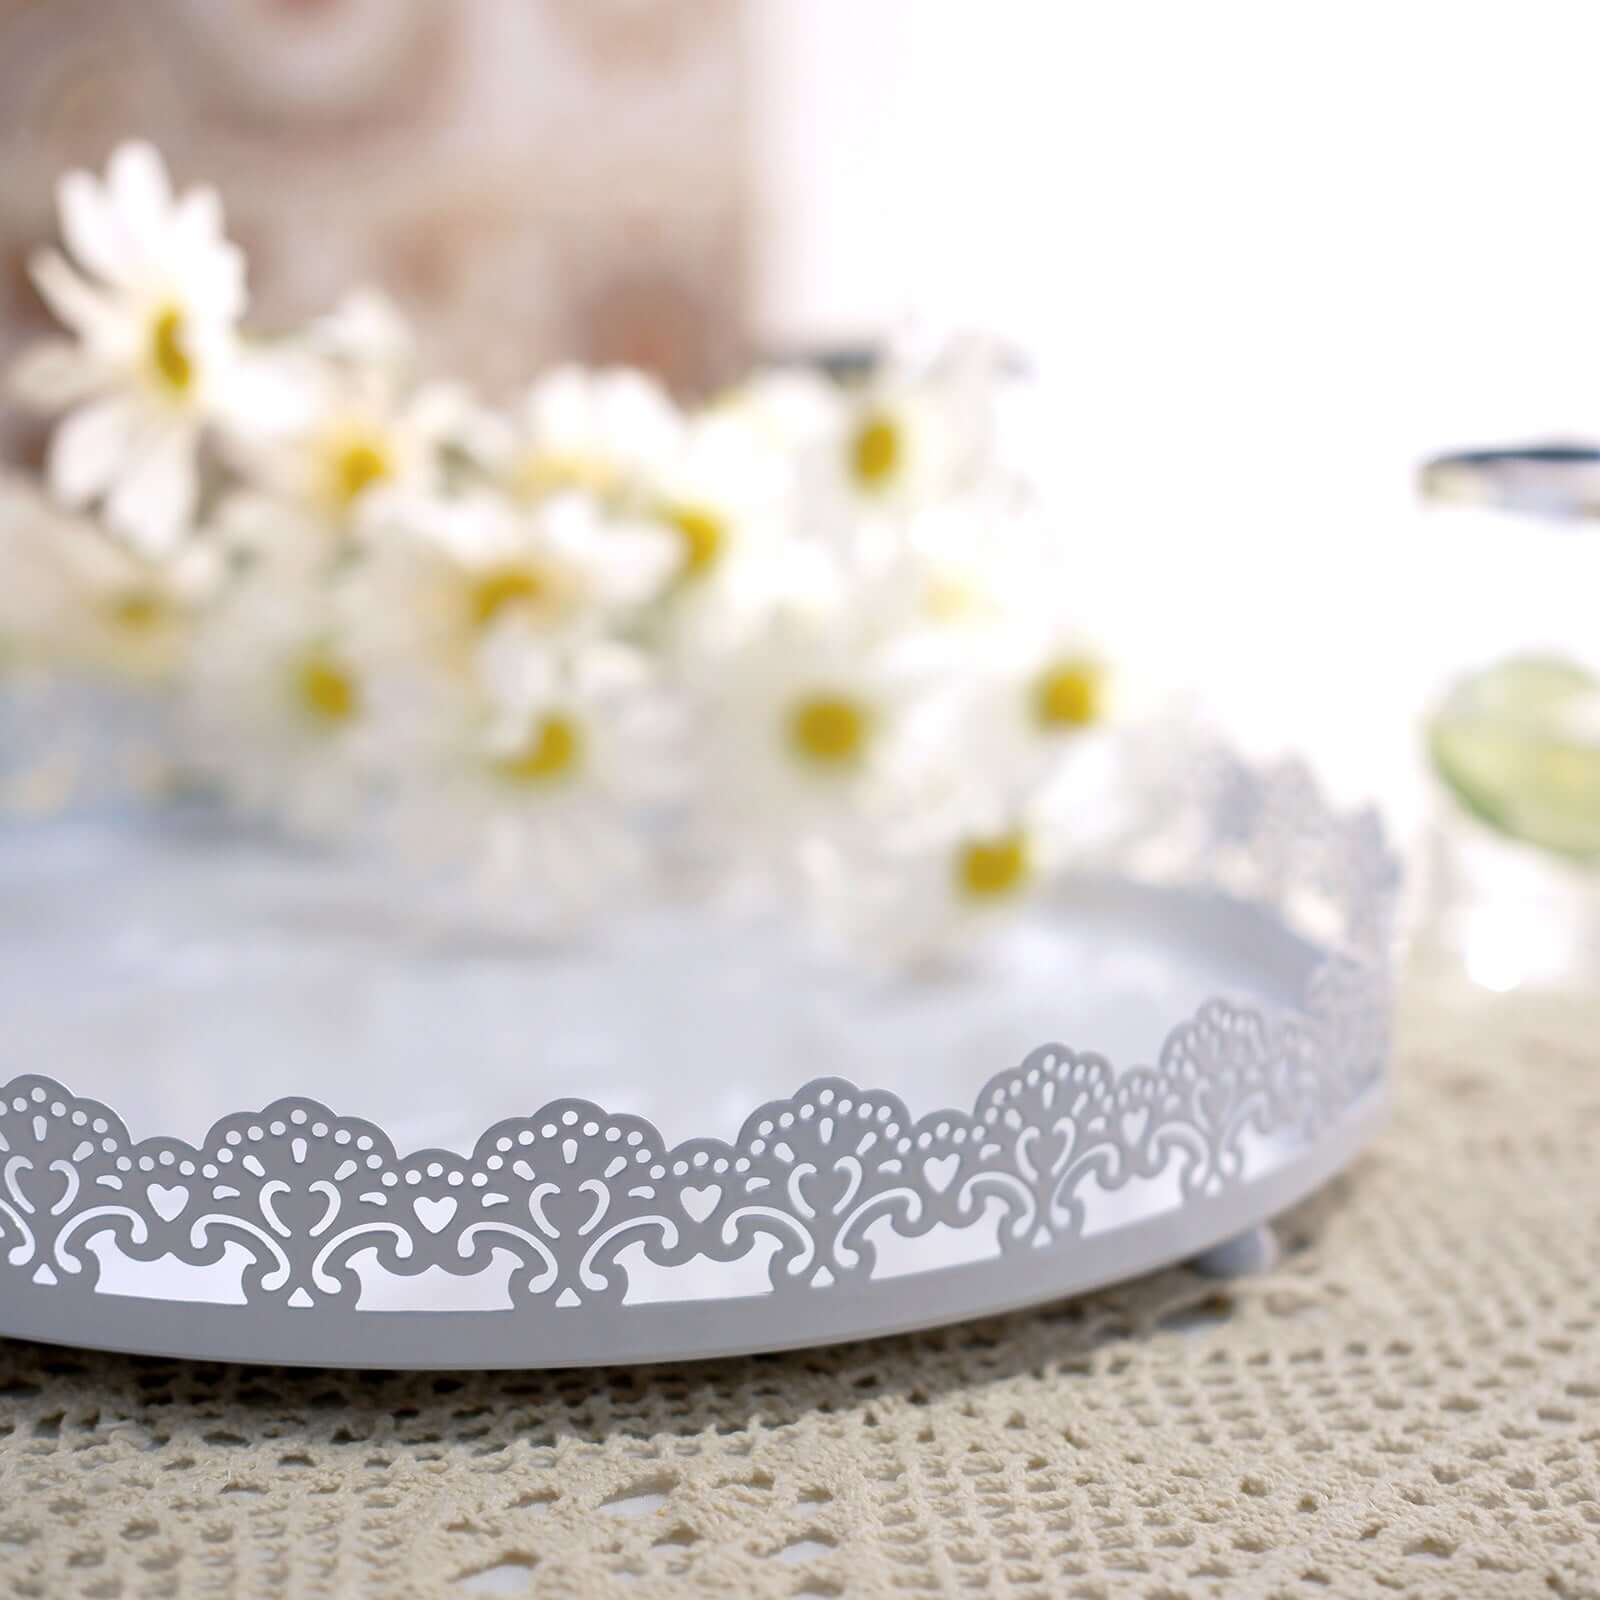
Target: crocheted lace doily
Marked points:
1408	1405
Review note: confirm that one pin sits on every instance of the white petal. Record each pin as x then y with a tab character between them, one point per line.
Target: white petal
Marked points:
154	502
367	328
73	298
630	565
268	394
488	436
197	217
607	668
136	179
54	375
512	671
210	278
208	267
92	229
640	413
88	449
475	529
559	410
444	412
196	571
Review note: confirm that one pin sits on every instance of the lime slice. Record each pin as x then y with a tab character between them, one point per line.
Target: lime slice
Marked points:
1519	745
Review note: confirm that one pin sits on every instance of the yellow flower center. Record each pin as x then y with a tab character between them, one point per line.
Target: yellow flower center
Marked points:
990	869
325	690
170	362
547	472
1070	694
506	586
703	534
875	450
829	730
358	464
952	599
139	611
552	751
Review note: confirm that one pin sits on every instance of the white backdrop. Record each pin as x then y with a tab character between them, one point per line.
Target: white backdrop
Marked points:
1267	256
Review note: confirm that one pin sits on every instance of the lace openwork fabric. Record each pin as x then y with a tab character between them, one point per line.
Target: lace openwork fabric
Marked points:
1409	1404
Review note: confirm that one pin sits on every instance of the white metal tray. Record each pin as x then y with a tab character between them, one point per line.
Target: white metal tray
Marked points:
1159	1058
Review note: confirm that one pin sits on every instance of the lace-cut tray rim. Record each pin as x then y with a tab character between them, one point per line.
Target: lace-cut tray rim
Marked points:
524	1338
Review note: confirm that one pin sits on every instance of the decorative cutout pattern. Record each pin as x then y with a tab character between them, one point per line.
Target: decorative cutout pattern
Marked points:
566	1192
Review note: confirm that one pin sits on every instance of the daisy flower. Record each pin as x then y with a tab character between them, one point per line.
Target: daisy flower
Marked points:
366	330
153	292
438	580
1038	691
80	601
894	445
1043	703
720	498
281	709
966	565
545	791
789	409
348	432
605	434
944	876
91	637
808	728
908	436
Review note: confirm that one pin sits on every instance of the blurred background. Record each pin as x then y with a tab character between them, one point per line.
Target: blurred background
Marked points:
530	177
1262	259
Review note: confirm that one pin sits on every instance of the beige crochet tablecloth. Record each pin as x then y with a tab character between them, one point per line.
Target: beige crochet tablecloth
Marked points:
1409	1405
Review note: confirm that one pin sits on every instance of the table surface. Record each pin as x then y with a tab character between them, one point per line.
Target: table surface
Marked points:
1409	1404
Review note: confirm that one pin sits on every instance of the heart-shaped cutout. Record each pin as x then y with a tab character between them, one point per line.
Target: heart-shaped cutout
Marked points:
434	1214
1134	1125
940	1171
700	1203
167	1203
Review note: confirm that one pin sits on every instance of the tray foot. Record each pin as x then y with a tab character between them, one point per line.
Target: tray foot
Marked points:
1254	1250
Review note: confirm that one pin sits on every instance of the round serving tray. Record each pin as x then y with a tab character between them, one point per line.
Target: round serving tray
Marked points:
220	1005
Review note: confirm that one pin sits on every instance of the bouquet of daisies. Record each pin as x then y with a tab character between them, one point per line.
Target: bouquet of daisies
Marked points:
802	646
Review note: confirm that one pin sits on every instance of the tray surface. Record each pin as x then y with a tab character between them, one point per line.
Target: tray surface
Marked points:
180	973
